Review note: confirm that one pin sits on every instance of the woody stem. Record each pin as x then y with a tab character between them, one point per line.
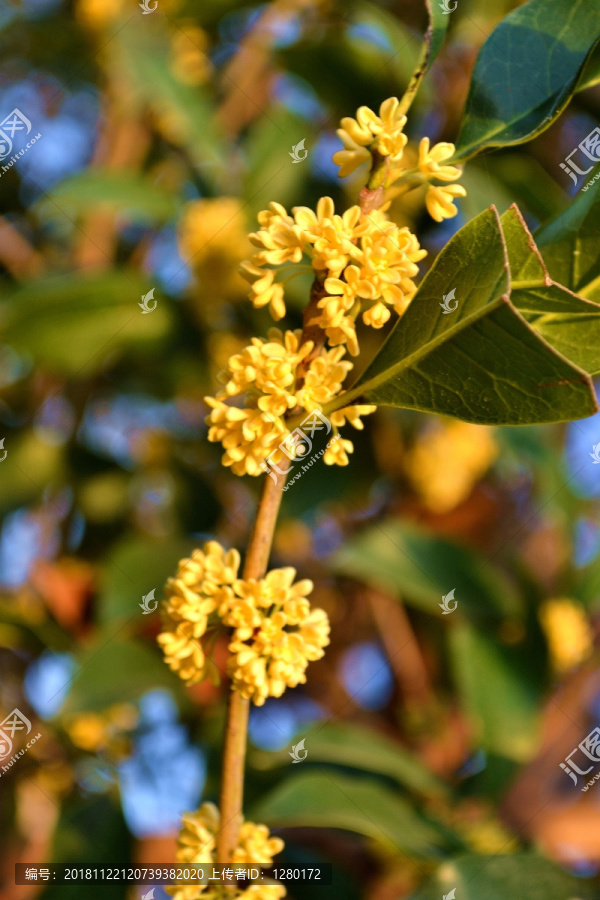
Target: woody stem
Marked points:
236	728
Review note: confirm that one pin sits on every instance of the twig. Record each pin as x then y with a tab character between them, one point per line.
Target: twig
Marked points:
403	651
234	752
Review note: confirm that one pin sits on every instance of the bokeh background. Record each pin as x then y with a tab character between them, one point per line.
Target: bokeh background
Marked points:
434	741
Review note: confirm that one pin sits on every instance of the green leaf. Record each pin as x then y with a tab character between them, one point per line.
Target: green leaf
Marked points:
591	71
132	195
568	322
496	691
331	800
482	363
271	172
569	244
31	466
346	744
438	26
116	670
90	830
527	71
72	322
144	54
134	567
420	568
497	877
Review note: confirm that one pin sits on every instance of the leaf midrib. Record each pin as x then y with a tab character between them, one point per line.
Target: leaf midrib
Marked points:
417	355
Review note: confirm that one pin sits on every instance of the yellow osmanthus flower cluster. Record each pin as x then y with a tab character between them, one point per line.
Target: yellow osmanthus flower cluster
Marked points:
447	460
213	242
197	844
359	260
568	631
266	374
275	632
189	50
369	137
107	731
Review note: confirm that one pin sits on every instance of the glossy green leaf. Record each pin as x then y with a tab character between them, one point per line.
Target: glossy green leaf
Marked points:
527	71
569	243
481	363
438	26
331	800
115	670
591	71
420	568
346	744
495	690
499	877
568	322
73	322
131	194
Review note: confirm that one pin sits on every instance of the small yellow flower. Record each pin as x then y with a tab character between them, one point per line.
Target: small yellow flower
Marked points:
201	584
248	436
440	201
351	157
360	261
265	290
382	133
266	374
337	453
569	634
430	159
197	844
276	634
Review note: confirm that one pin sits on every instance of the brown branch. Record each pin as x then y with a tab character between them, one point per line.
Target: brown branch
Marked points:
401	646
234	752
17	255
